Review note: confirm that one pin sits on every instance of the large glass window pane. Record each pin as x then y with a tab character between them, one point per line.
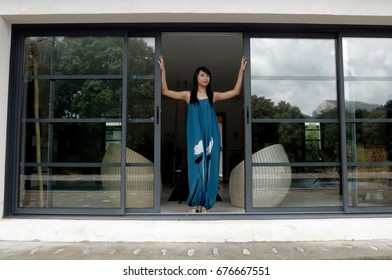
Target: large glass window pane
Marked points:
294	80
368	81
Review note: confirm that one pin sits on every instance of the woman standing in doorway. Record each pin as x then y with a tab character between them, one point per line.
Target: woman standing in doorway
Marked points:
203	137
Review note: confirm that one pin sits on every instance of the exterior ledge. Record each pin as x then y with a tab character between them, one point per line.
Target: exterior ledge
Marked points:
59	230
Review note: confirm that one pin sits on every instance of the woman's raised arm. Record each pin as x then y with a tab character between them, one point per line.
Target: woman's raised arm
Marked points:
237	88
180	95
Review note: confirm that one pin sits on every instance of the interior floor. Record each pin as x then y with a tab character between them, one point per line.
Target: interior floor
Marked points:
297	197
178	206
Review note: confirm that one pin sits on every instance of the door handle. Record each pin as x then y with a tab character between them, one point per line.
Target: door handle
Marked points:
247	114
157	116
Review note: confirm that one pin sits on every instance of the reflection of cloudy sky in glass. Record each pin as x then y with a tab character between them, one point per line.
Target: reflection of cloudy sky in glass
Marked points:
368	69
302	72
150	41
367	57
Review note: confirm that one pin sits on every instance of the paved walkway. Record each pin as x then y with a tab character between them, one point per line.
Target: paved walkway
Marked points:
331	250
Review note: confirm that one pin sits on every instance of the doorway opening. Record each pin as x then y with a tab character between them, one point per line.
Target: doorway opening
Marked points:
221	54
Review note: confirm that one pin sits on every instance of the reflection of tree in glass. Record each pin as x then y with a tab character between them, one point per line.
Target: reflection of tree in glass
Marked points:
291	135
97	98
377	134
101	97
329	136
89	56
265	134
141	88
372	134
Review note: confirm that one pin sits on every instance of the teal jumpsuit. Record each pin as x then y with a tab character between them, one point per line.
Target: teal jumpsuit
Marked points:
203	140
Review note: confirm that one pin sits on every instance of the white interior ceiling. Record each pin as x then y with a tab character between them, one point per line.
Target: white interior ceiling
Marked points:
220	52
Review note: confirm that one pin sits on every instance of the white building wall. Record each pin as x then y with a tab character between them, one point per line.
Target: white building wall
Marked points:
356	12
5	35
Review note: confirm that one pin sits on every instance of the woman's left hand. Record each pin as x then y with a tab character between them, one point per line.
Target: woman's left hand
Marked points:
244	61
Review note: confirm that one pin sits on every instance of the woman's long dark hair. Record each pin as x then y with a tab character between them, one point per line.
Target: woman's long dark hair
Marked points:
210	94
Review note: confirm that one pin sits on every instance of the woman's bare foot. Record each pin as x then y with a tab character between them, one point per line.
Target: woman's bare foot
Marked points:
193	209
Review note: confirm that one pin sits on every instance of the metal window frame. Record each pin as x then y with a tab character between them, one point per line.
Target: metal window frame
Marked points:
20	31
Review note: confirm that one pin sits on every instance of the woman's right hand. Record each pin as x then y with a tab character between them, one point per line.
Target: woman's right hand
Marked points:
161	63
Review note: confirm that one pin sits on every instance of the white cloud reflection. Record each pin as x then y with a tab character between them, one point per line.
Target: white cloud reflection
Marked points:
367	57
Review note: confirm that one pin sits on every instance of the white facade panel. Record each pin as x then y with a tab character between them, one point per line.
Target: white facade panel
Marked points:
274	11
5	34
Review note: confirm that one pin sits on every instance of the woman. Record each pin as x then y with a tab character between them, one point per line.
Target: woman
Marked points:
203	137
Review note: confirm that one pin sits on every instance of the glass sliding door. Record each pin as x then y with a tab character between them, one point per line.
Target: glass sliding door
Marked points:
368	109
295	143
87	127
140	155
72	90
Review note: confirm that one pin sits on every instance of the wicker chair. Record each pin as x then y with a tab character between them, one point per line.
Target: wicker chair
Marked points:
270	184
139	179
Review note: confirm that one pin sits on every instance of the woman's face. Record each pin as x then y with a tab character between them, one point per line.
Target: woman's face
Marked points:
203	79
